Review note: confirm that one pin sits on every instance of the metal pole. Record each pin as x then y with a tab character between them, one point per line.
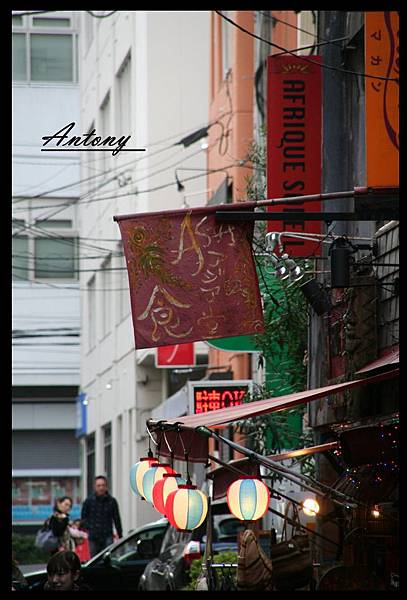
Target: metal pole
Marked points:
288	473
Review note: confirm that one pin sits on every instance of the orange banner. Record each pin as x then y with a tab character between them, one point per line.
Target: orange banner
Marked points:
382	98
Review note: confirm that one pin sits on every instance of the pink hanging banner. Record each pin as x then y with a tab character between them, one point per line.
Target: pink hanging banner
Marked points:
190	277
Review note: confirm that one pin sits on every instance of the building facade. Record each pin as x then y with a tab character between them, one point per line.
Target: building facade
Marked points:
46	320
144	74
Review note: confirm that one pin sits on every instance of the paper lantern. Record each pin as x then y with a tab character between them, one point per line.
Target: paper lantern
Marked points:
137	472
162	488
151	476
248	498
186	507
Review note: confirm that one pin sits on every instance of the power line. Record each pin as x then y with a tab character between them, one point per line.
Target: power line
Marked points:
59	287
162	170
42	12
70	241
32	255
45	329
319	37
153	189
166	185
131	162
109	181
95	270
305	59
36	12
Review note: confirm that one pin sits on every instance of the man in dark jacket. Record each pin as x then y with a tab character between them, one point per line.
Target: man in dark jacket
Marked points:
99	512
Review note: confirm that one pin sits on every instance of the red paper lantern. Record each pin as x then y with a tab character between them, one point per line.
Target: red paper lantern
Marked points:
151	476
186	507
163	488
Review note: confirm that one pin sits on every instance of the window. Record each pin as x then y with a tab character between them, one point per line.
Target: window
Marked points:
124	292
17	21
90	462
55	258
18	224
91	314
105	130
19	57
51	57
226	45
107	451
50	22
20	258
171	537
44	254
33	497
44	50
127	552
124	97
54	224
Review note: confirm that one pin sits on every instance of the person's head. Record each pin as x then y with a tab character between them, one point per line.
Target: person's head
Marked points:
76	523
63	504
100	485
63	570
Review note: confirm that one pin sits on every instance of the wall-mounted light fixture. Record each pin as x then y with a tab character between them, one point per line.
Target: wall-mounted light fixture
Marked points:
317	296
340	253
180	186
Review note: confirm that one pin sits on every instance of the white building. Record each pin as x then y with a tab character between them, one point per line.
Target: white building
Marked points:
46	317
143	74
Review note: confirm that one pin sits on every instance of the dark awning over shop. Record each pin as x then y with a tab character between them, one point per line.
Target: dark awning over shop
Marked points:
386	362
181	435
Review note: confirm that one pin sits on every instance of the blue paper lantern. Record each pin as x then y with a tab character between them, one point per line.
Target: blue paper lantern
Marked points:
248	498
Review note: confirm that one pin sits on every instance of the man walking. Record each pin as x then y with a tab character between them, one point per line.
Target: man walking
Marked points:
99	511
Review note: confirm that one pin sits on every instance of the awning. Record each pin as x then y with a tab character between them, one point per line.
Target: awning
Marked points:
370	444
181	435
385	362
223	476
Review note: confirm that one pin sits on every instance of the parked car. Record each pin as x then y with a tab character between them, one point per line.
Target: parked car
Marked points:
119	566
170	569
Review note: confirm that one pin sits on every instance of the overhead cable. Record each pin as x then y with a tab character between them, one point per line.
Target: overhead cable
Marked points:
304	58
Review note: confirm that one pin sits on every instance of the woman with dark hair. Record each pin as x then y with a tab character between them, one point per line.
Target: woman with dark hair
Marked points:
58	522
63	571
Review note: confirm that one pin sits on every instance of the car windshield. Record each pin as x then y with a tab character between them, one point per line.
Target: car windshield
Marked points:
129	549
230	527
173	536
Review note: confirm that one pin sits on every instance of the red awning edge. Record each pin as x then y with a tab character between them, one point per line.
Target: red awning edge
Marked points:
389	358
182	437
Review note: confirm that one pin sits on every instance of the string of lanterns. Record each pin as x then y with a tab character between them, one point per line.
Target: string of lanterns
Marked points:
248	498
186	507
177	499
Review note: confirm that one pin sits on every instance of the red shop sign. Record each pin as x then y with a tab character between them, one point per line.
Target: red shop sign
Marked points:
294	144
178	355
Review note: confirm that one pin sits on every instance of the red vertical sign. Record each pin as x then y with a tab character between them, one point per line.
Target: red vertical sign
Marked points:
294	144
179	355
